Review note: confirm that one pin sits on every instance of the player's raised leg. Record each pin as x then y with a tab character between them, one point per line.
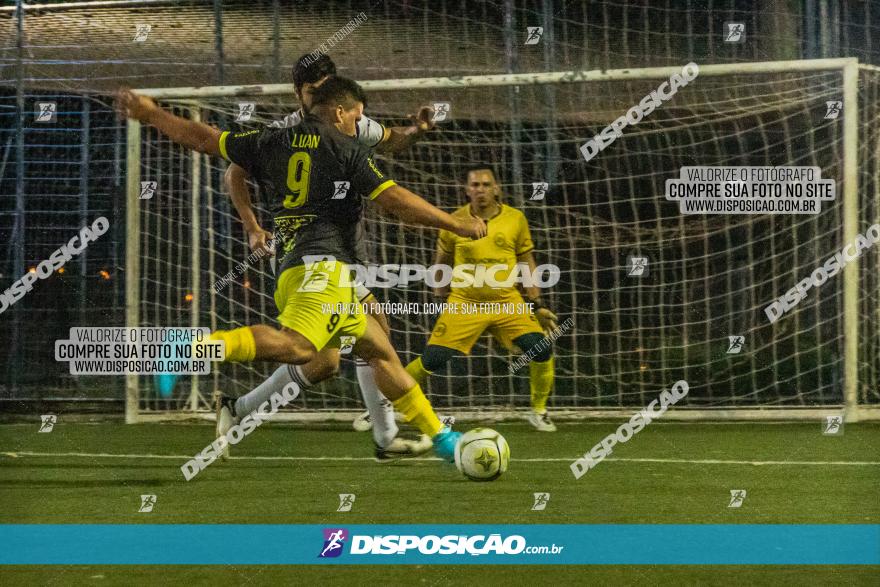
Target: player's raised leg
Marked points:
323	366
262	342
389	445
306	328
265	343
230	411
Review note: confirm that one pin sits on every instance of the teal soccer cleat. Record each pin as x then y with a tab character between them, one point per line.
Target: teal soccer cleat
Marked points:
444	443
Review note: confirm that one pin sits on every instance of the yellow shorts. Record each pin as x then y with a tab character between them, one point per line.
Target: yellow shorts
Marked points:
460	330
312	302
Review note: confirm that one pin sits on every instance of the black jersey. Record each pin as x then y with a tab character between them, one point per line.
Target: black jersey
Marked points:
315	179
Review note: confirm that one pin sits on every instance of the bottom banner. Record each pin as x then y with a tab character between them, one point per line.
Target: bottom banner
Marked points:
641	544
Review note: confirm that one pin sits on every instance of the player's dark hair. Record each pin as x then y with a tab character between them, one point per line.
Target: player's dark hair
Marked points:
309	69
489	168
339	90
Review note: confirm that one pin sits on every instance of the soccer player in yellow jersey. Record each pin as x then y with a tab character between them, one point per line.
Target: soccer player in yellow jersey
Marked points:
508	243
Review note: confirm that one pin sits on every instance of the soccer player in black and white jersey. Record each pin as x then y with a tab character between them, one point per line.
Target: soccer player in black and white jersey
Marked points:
308	75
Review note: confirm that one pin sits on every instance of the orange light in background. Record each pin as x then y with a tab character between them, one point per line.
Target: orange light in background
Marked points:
643	367
104	274
188	297
246	283
61	270
32	269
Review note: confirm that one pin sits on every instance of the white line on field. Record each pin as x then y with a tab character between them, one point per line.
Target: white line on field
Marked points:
535	460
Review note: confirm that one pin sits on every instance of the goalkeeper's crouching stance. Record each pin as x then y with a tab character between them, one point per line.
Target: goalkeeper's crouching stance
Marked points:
535	347
508	246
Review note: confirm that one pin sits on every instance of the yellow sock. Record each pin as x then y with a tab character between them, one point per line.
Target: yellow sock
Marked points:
417	410
540	384
417	371
240	344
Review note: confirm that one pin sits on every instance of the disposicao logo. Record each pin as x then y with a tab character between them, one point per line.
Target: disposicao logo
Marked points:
334	540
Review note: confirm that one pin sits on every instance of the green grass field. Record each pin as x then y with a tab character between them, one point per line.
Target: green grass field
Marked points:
680	473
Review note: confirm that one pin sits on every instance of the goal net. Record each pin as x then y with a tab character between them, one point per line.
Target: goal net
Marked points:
696	309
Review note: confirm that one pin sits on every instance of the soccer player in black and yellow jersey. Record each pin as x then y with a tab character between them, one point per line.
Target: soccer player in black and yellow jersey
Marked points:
507	244
299	168
308	75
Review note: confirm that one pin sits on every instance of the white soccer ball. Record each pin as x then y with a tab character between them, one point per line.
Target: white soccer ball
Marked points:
482	454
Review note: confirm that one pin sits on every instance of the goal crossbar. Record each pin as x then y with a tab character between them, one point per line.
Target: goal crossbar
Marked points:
849	68
515	79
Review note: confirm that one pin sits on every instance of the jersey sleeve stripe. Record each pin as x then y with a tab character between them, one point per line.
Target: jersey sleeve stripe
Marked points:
223	144
381	188
528	250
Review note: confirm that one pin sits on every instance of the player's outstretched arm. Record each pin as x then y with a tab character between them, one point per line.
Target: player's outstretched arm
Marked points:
400	138
414	210
235	179
194	135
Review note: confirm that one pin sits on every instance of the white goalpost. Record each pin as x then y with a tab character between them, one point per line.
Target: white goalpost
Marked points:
708	276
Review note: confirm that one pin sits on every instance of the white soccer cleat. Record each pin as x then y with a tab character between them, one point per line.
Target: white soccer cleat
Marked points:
363	423
542	422
403	448
224	408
